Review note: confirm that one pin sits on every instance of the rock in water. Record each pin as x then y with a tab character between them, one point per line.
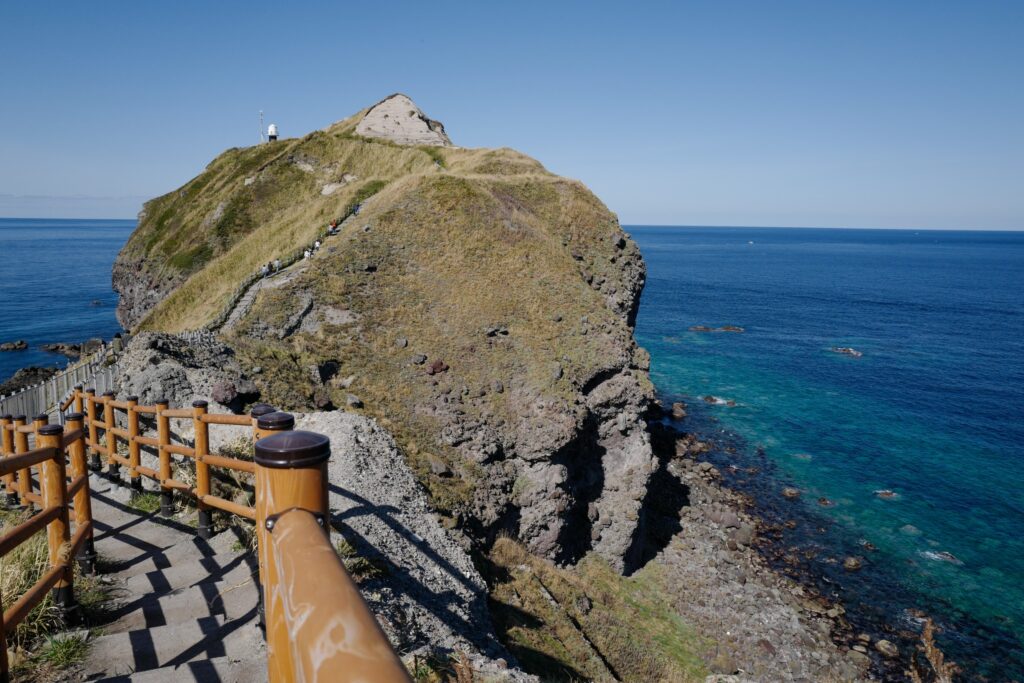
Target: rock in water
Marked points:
398	119
26	377
19	345
887	649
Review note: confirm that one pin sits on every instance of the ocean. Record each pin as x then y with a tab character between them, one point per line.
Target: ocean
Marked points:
933	410
55	285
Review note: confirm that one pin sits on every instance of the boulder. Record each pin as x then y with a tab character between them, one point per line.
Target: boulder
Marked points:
19	345
888	650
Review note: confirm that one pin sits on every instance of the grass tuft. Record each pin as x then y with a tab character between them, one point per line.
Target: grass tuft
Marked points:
146	501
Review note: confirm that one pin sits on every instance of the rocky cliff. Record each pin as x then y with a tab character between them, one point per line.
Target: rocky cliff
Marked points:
479	306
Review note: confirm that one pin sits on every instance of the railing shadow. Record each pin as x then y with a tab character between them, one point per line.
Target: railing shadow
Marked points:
442	605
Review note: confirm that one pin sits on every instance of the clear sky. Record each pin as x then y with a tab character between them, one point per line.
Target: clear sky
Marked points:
860	113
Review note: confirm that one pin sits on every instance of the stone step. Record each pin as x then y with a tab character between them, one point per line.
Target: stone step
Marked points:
175	645
215	670
222	548
214	570
223	601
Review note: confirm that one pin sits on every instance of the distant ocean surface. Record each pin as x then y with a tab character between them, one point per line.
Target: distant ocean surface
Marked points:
55	285
933	410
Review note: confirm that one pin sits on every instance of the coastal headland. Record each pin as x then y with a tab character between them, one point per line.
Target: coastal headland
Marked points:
474	313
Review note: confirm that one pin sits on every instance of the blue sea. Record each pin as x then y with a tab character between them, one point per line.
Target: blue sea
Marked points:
55	285
933	410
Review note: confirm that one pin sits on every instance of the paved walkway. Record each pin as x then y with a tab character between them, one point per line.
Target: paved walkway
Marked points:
183	609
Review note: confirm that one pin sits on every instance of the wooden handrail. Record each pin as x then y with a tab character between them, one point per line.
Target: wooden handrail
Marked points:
19	534
23	461
177	413
317	626
316	601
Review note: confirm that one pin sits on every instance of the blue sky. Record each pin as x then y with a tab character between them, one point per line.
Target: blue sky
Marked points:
865	114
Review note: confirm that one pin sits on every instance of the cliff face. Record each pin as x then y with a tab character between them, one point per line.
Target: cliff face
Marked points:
480	307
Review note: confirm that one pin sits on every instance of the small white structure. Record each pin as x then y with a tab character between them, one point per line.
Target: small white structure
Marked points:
272	132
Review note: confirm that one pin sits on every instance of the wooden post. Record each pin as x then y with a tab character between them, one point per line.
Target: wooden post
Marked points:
109	422
79	406
39	421
256	412
134	451
82	502
291	472
266	422
58	532
90	411
7	447
24	476
163	429
202	430
5	676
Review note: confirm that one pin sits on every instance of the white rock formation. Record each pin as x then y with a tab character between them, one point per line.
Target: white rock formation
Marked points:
397	118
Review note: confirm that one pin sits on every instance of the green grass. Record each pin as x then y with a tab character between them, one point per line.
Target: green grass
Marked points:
146	501
436	154
64	650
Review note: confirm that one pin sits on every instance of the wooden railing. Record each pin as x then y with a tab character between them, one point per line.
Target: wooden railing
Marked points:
56	499
318	628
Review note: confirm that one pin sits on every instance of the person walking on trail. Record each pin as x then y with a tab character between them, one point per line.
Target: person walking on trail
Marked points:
316	245
277	265
305	254
265	270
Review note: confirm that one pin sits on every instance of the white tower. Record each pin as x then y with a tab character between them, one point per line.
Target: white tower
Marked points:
272	132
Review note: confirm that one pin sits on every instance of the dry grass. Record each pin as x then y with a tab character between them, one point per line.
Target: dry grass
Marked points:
35	653
589	623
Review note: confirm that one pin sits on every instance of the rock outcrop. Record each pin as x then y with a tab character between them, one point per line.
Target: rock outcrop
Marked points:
398	119
162	366
26	377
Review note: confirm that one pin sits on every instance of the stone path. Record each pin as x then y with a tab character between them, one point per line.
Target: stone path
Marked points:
183	609
279	279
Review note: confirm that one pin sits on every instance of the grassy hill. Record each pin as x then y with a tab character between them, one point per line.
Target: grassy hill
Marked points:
481	309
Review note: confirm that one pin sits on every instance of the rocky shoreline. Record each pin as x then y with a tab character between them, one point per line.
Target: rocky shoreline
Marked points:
767	625
794	554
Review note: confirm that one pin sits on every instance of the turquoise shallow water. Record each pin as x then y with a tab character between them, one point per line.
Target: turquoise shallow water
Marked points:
933	410
55	284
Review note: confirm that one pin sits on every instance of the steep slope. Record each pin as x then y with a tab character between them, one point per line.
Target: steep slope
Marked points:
479	305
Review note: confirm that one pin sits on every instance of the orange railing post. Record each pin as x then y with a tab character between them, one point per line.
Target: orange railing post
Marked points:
82	502
291	472
256	412
109	422
7	447
25	475
318	630
78	405
163	431
204	527
134	450
265	422
58	532
90	411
